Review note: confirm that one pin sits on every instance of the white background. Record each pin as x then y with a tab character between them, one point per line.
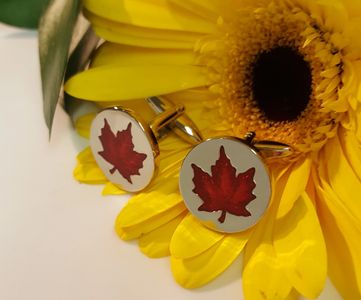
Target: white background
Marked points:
56	236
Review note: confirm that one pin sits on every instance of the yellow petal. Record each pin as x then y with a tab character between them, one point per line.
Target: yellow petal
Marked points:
352	31
147	205
207	9
293	295
112	189
156	243
115	54
263	273
153	14
173	149
82	125
198	98
334	14
263	277
355	118
300	248
342	238
140	41
351	148
191	238
353	7
342	178
141	36
170	166
295	186
87	170
199	270
331	72
122	83
149	224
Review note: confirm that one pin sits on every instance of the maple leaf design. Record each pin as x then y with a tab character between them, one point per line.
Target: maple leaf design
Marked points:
223	190
118	150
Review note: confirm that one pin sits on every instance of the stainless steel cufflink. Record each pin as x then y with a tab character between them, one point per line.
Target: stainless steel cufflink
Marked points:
224	181
182	126
126	148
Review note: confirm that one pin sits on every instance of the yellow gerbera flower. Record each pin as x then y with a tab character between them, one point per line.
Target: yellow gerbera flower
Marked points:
290	70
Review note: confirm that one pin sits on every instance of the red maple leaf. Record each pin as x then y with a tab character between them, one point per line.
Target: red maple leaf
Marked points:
118	151
223	190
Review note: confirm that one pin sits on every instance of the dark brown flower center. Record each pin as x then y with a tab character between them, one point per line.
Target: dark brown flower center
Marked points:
281	83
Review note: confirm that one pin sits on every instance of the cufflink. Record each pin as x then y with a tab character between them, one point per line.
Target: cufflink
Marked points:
125	147
225	182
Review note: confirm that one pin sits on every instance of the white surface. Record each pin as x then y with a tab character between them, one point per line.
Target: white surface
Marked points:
56	236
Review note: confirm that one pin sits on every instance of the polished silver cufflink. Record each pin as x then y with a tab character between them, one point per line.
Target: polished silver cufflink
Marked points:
225	182
125	147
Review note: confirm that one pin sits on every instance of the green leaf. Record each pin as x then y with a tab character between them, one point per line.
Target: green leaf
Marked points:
22	13
78	61
55	33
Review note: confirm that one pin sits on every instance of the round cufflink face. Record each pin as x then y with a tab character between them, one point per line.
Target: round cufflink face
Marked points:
123	148
225	184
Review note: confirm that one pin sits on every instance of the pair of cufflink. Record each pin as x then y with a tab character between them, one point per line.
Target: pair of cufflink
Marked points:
224	181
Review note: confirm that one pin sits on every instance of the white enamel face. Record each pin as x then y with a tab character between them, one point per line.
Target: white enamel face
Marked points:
225	184
122	149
